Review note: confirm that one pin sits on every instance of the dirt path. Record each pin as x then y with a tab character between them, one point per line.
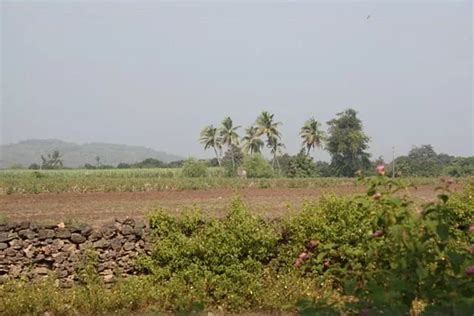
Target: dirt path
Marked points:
101	207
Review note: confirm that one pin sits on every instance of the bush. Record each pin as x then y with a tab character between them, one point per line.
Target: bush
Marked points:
34	166
257	167
301	166
194	169
221	260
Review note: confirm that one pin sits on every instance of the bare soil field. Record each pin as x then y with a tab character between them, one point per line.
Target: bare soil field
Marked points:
96	208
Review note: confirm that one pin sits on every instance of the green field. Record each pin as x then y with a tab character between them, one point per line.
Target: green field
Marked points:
146	180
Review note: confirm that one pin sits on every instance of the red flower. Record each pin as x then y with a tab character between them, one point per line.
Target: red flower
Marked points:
380	170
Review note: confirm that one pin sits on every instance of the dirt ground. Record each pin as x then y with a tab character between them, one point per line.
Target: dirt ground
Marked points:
96	208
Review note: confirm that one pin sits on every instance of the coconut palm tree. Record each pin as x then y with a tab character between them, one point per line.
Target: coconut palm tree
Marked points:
312	135
252	143
266	126
229	136
210	138
275	148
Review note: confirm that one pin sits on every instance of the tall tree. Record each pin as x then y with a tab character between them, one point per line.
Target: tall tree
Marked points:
252	142
275	148
229	136
347	144
211	139
312	135
267	126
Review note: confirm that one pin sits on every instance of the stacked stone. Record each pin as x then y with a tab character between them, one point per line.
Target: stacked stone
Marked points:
32	251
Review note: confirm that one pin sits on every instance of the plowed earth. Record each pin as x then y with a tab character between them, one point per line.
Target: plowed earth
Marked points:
97	208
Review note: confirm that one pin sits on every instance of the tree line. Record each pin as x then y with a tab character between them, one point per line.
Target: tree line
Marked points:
345	141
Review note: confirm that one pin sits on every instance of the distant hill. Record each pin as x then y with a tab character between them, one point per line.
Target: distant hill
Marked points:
74	155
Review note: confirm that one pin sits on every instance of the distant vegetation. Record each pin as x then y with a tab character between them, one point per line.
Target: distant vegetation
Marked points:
344	140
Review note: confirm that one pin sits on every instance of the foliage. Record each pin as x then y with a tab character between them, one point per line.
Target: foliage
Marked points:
211	139
194	169
347	144
232	159
421	161
150	163
147	163
52	161
99	166
229	137
267	126
252	143
34	166
157	179
257	167
322	169
460	167
404	258
369	255
312	135
220	259
425	162
301	166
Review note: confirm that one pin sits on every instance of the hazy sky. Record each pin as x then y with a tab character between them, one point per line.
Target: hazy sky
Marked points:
155	73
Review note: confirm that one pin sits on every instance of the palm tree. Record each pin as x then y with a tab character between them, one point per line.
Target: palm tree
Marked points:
275	148
312	135
267	126
210	138
229	136
253	144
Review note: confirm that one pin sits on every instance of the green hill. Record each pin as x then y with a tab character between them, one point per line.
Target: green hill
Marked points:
74	155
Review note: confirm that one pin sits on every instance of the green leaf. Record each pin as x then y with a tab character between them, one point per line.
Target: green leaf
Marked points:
350	286
321	256
443	231
457	261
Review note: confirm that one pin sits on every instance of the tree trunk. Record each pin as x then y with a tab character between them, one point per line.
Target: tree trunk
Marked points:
277	163
232	155
217	156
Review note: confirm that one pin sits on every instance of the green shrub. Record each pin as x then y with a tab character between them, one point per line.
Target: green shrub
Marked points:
222	260
194	169
257	167
301	166
409	258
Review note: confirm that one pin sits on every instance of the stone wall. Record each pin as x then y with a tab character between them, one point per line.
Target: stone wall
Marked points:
32	251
